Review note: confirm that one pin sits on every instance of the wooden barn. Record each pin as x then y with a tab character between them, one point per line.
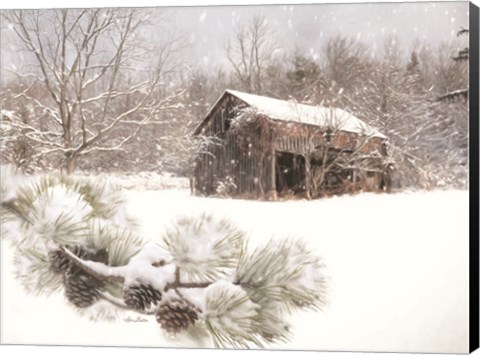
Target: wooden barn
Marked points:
260	147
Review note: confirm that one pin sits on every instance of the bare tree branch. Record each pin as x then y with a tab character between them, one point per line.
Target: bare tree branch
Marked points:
81	59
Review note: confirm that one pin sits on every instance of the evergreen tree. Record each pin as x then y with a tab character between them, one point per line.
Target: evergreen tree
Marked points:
304	79
459	60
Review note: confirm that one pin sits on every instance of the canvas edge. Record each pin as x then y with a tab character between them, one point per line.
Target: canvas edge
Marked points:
474	177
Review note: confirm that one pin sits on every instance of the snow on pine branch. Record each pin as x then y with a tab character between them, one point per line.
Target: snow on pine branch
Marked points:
453	95
73	235
122	242
285	272
203	247
231	316
46	211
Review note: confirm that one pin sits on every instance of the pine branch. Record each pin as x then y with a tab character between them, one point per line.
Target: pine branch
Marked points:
454	94
231	316
238	312
111	274
106	296
462	31
12	207
176	285
464	54
221	244
98	270
285	273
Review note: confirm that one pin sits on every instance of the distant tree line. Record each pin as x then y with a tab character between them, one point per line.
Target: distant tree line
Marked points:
133	121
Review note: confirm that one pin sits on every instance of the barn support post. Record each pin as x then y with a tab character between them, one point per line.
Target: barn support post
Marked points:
307	175
354	180
273	175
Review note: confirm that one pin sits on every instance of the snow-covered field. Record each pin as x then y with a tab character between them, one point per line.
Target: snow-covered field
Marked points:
397	267
144	180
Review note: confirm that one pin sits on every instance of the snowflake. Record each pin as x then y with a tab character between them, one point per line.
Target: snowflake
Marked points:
202	17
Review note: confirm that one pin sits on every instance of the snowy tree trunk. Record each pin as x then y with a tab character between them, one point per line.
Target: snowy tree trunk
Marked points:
71	163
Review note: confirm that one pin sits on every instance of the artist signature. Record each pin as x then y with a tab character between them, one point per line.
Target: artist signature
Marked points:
135	320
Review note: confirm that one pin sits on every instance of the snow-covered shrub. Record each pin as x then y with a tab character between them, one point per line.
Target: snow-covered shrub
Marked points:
225	187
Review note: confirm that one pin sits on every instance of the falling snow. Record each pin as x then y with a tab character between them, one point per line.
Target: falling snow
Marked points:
202	17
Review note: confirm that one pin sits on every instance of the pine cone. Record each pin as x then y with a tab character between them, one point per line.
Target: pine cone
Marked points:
81	289
61	263
176	315
141	296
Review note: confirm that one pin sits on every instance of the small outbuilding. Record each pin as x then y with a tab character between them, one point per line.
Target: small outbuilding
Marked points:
261	147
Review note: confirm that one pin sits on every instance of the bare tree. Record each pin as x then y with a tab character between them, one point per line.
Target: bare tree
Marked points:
346	62
341	162
250	53
99	78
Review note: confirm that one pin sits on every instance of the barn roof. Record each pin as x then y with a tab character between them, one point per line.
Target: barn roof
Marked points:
314	115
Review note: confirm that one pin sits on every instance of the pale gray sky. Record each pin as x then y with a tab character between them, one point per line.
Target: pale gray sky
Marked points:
307	27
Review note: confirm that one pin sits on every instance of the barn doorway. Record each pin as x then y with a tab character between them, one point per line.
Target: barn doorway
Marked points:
289	173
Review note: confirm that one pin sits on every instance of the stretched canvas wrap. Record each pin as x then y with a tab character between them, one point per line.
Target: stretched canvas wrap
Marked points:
282	177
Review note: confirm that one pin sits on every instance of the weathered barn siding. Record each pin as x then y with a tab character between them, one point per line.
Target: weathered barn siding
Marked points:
216	122
300	138
228	162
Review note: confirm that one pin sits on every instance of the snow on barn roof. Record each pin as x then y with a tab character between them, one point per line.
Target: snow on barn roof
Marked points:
314	115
